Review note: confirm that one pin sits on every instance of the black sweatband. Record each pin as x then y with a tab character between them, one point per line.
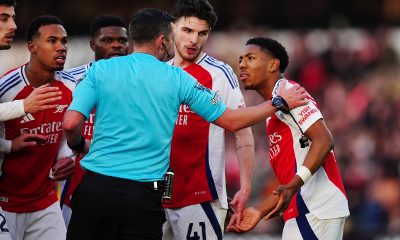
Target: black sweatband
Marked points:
78	146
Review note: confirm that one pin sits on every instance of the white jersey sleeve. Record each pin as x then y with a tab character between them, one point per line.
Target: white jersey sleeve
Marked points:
225	82
11	110
305	116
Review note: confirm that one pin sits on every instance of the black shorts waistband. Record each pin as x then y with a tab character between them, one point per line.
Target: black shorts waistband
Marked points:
156	185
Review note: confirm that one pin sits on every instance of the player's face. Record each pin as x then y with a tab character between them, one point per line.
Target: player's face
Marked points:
110	42
191	33
254	67
50	47
7	26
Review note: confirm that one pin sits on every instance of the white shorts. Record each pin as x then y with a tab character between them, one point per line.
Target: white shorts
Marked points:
309	227
4	231
44	224
66	212
200	221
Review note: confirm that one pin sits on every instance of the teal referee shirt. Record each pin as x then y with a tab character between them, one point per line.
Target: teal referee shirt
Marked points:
137	99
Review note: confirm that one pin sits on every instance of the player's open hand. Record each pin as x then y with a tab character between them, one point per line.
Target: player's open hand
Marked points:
250	217
239	203
63	168
26	140
42	98
295	95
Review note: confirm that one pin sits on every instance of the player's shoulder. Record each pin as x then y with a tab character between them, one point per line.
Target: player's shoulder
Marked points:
214	63
79	70
219	70
66	78
12	78
12	82
12	74
288	84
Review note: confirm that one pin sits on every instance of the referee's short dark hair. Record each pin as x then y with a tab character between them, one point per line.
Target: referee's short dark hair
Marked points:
105	21
274	48
201	9
149	23
37	22
8	3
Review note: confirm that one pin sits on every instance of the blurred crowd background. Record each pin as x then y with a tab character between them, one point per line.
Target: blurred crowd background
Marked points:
344	52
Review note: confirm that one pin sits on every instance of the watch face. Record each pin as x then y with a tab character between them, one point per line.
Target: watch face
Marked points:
280	104
277	102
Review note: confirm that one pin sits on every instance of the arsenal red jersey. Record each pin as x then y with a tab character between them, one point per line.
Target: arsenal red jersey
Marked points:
197	149
25	185
323	194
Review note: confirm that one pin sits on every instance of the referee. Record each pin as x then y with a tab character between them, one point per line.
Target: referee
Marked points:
119	197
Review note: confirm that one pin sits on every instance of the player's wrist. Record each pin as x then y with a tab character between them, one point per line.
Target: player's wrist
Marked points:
280	104
77	146
304	173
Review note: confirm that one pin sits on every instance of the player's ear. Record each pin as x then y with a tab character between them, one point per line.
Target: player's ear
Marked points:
32	46
274	64
92	45
174	26
160	40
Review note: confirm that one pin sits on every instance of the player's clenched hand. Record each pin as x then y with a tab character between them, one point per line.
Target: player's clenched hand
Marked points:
63	168
250	217
295	96
42	98
26	140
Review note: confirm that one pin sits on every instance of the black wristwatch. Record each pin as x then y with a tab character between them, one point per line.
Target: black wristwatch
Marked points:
280	104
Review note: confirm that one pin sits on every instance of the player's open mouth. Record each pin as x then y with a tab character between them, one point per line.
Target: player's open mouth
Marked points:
60	59
191	51
243	76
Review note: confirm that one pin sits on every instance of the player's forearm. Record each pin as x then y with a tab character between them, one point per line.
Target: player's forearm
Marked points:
234	120
267	205
245	152
321	145
72	124
11	110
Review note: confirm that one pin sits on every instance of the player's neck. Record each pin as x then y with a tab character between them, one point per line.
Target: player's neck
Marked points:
38	76
266	89
183	63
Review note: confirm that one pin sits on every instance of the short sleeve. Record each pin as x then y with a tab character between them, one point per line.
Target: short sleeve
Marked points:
85	94
200	99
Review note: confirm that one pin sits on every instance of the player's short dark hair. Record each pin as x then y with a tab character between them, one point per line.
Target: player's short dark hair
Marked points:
274	48
37	22
149	23
105	21
201	9
8	3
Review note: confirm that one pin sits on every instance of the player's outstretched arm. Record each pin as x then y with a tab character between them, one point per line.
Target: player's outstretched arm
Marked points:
42	98
234	120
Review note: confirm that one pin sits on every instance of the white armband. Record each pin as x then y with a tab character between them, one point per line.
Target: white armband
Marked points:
304	173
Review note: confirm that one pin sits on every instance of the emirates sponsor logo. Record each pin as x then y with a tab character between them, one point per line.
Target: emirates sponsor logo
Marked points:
274	149
184	111
51	130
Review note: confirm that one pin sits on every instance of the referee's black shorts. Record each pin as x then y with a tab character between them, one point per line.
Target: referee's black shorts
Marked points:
110	208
